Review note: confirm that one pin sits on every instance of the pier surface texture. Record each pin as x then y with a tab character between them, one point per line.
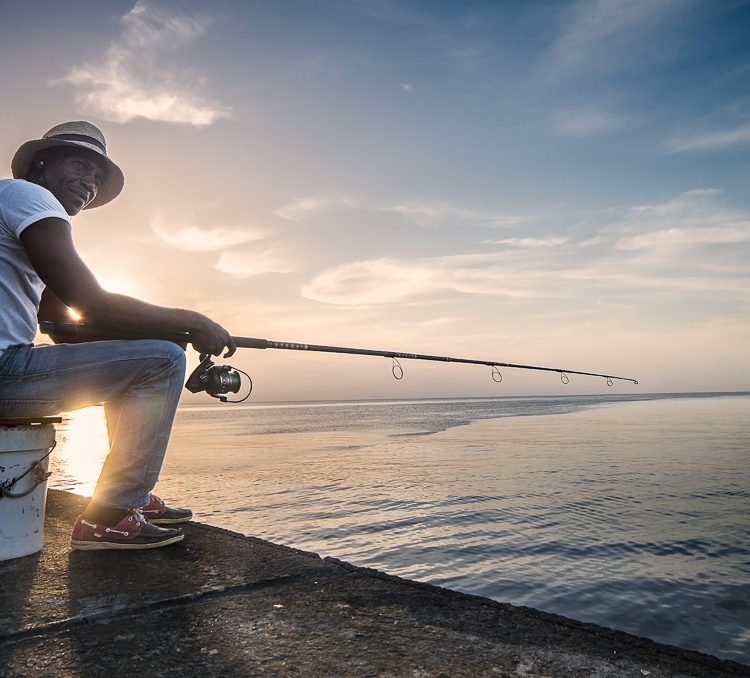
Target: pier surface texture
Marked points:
223	604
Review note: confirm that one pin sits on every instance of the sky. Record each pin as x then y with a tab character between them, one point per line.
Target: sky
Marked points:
551	182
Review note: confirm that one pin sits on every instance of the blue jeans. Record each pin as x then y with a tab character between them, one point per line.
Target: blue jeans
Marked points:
138	382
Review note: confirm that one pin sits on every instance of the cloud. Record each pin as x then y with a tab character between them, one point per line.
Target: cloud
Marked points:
673	237
192	238
247	264
551	241
675	228
407	87
427	212
596	26
696	207
131	80
710	140
353	283
299	207
688	244
423	212
390	280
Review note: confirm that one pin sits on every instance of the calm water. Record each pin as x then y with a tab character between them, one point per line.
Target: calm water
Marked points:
631	513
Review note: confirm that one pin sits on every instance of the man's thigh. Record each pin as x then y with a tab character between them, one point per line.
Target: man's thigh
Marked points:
43	380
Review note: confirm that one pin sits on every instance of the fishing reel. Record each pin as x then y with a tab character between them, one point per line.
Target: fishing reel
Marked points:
217	380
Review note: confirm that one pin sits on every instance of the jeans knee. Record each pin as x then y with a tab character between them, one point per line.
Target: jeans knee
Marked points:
161	358
176	355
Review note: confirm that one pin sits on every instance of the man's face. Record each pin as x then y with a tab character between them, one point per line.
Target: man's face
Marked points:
73	176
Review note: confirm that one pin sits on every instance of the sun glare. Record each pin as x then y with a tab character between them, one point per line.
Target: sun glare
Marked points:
121	285
82	446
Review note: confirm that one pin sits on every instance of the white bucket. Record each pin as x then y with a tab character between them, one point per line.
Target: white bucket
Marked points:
22	515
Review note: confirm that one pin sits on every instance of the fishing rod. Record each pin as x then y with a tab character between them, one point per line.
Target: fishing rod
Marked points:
217	380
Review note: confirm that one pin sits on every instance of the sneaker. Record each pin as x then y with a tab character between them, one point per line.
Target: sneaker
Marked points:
158	513
132	532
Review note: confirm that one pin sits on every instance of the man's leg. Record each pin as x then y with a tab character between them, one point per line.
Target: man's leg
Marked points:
139	380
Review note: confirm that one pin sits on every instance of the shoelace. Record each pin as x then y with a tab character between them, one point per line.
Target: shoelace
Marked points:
134	514
155	505
139	519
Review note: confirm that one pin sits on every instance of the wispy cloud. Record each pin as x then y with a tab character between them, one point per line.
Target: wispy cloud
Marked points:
681	225
706	141
674	237
590	27
191	238
697	207
427	212
390	280
299	207
551	241
130	81
689	245
351	284
247	264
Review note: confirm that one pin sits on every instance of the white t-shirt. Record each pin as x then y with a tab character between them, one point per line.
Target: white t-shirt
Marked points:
21	204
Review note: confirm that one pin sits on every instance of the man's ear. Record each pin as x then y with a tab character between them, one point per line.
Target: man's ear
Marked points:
37	166
41	158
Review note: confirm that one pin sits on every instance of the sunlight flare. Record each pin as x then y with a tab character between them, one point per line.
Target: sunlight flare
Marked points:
82	446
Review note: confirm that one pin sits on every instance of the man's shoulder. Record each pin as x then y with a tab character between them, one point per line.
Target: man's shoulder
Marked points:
18	187
20	191
23	202
12	183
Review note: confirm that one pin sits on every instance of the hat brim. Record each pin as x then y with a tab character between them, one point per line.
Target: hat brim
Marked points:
113	182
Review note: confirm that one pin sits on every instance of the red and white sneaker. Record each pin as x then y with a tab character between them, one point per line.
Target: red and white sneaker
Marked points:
132	532
158	513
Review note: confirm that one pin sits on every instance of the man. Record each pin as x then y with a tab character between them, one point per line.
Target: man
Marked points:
139	382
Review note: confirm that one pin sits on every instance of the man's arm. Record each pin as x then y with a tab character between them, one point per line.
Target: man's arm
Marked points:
53	310
53	255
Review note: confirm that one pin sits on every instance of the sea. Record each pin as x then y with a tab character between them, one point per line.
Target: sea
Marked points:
628	511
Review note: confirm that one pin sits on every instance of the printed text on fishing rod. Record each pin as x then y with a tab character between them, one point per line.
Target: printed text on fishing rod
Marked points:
218	380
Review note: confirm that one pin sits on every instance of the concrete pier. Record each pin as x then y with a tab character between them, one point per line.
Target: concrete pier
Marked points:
223	604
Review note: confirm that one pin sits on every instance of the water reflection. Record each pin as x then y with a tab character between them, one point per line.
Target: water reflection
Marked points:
82	446
631	515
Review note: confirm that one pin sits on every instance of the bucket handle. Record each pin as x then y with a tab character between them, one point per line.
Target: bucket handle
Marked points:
40	476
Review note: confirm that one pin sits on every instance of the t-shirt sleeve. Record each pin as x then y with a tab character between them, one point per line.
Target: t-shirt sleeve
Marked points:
24	203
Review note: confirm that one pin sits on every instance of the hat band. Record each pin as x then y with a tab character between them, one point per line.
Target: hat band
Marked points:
80	137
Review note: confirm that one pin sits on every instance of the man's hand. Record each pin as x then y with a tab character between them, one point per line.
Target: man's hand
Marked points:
210	337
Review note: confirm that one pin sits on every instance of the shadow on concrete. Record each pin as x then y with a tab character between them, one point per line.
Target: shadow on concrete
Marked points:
222	604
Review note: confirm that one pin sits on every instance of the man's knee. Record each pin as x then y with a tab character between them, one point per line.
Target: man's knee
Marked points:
169	355
175	354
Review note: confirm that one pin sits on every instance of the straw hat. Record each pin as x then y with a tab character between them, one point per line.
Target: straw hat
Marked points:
78	134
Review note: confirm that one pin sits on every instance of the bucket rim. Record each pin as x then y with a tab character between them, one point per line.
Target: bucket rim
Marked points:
28	421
